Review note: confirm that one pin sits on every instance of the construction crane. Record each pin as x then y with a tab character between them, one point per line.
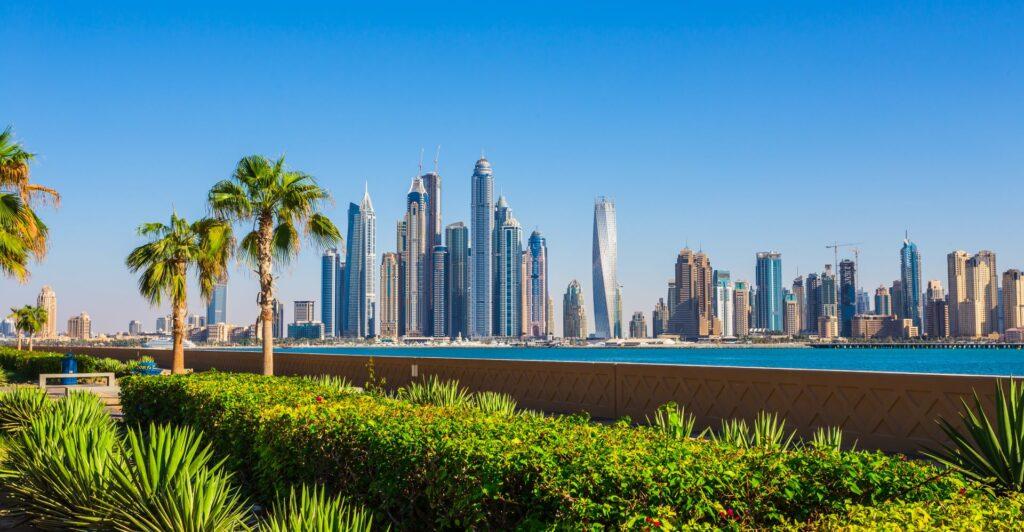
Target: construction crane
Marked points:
834	246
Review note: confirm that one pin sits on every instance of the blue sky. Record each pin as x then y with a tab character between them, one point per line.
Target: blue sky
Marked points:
731	126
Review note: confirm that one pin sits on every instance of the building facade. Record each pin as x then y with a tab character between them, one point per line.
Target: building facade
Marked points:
536	290
482	213
439	291
791	315
508	265
660	318
638	326
692	315
459	289
741	308
413	257
217	308
80	327
605	264
47	300
847	296
574	313
305	311
329	283
883	301
769	291
433	235
1013	300
389	295
910	282
360	315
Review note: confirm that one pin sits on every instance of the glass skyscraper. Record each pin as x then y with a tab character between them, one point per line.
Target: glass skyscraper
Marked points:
457	242
482	213
217	308
847	297
605	259
329	291
910	281
537	291
360	302
413	257
433	237
509	264
769	291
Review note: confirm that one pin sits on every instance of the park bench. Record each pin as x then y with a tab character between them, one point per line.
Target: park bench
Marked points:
109	393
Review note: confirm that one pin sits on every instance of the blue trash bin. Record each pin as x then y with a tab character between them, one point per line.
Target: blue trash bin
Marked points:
69	364
147	367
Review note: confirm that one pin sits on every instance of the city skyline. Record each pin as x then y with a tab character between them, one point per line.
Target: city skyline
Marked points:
743	130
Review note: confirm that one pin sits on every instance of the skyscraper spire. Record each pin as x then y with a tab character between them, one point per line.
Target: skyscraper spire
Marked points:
437	156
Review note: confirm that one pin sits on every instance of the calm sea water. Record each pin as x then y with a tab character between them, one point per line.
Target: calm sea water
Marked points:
952	361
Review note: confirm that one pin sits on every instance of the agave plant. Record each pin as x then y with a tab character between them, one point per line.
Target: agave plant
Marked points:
674	421
82	408
989	451
829	439
170	483
311	510
332	381
434	392
495	403
59	469
770	432
733	432
19	406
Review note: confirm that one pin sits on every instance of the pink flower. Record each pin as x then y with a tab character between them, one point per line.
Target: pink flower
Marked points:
319	398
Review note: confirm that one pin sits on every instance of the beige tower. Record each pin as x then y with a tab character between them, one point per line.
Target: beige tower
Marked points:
48	300
1013	299
956	265
741	309
389	287
978	315
80	327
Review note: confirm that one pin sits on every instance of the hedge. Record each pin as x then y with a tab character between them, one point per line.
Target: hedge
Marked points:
965	512
26	366
434	467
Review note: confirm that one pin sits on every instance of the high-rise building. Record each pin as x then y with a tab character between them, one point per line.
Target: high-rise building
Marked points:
47	300
135	328
693	315
217	308
80	327
801	300
412	260
329	292
790	315
863	302
195	321
660	318
828	294
983	290
360	303
433	235
537	288
278	327
896	293
883	301
1013	299
910	282
956	269
723	303
389	295
508	265
847	296
741	308
638	326
459	290
605	267
812	305
551	318
769	291
617	314
574	313
673	296
439	290
163	324
7	328
305	311
936	311
482	212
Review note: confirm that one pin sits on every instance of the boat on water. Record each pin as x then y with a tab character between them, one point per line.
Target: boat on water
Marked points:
165	343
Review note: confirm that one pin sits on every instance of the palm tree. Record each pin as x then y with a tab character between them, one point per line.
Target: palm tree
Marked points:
14	174
277	202
28	319
23	236
204	246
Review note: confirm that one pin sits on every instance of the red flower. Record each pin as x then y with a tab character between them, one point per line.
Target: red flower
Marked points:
731	514
319	398
963	491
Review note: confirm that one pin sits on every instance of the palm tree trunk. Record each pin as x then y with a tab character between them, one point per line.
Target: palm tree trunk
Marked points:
266	292
19	341
178	330
31	337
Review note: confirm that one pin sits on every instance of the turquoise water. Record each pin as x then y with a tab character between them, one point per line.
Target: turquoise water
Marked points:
951	361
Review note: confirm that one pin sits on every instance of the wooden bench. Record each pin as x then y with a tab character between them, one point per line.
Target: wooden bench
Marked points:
110	393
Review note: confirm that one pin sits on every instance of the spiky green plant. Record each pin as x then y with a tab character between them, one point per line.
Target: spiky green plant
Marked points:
988	451
312	510
673	421
770	432
495	403
829	439
433	391
170	483
82	408
59	468
733	432
332	381
19	406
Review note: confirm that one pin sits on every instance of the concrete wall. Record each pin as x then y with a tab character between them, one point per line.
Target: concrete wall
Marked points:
888	411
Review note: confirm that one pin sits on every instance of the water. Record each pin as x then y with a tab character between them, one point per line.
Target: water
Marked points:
1002	362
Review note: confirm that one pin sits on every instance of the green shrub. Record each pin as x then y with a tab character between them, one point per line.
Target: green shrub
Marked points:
495	403
311	510
958	513
19	406
26	366
829	439
770	431
433	391
673	421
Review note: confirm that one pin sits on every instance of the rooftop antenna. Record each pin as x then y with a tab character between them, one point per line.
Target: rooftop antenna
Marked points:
482	156
437	155
419	170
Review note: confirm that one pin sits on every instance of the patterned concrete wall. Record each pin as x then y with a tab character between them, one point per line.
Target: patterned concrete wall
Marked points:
888	411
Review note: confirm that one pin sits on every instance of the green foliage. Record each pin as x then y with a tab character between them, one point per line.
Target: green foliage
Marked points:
495	403
59	466
311	510
990	452
19	406
332	381
673	421
439	467
770	431
25	366
733	432
958	513
170	483
829	439
433	391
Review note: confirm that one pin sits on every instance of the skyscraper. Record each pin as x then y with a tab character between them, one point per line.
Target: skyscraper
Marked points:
135	327
1013	299
638	326
617	314
723	303
439	291
790	315
847	297
883	301
574	313
936	311
956	269
305	311
812	305
482	212
389	295
660	318
360	271
896	293
217	308
457	242
508	265
80	327
537	289
693	312
863	302
979	312
605	264
433	237
910	281
801	301
769	291
278	328
413	257
329	291
741	308
828	294
47	300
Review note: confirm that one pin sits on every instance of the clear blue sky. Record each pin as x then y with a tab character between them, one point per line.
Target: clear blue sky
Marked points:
733	126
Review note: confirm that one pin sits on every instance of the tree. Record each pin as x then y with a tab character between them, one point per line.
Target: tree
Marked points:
23	236
14	173
28	319
203	247
277	202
